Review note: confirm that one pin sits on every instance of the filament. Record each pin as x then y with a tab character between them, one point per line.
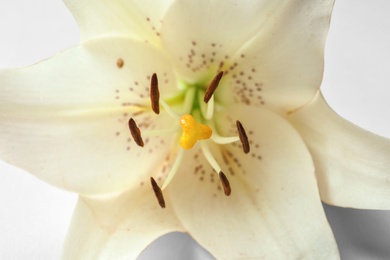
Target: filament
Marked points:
174	168
161	132
209	157
169	110
224	140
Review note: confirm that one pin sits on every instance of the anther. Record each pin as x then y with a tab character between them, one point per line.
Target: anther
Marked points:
135	132
212	87
154	94
225	183
243	137
158	192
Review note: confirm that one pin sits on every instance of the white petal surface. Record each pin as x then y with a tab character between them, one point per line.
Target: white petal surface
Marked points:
199	35
139	19
271	51
117	227
88	77
274	211
352	164
282	65
68	124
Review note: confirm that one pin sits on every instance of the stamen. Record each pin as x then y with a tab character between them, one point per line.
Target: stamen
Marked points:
169	110
207	110
209	157
158	192
225	183
217	168
218	139
212	87
243	137
154	94
174	168
210	108
188	103
224	140
162	132
135	132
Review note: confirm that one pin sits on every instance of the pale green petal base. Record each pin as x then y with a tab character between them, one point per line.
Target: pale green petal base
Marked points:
352	165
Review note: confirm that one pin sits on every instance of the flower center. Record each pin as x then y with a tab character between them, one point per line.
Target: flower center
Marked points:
195	111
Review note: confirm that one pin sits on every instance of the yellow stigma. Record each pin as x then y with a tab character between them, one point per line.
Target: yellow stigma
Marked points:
192	132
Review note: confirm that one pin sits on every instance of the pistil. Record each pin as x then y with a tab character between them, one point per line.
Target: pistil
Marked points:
192	132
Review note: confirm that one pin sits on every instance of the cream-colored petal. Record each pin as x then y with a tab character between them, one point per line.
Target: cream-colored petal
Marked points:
117	227
201	35
104	73
352	164
65	119
139	19
282	66
274	210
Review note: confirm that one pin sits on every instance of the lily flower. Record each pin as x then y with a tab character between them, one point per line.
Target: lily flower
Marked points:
194	116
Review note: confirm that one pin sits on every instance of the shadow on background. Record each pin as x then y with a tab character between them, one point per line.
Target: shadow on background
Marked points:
360	235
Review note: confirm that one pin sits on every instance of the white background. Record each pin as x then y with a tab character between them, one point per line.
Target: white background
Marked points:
34	216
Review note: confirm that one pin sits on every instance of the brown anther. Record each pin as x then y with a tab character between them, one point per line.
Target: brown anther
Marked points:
135	132
158	192
155	94
225	183
243	137
212	87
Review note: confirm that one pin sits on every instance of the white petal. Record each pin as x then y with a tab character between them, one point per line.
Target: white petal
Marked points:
282	66
271	51
352	164
88	77
65	119
274	211
117	227
139	19
202	34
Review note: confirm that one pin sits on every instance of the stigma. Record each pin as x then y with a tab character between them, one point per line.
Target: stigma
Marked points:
192	132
